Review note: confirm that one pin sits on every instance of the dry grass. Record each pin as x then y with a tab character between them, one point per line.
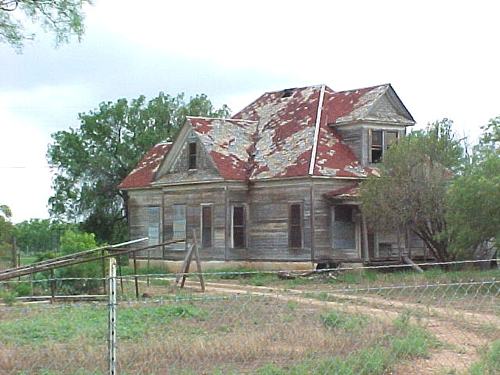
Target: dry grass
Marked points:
239	334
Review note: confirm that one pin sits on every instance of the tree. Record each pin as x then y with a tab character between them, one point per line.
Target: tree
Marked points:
40	235
62	17
474	198
410	193
93	159
6	229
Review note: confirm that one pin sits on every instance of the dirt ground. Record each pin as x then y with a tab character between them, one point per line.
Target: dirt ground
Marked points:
458	331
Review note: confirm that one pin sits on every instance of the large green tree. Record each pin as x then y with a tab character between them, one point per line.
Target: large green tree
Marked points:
410	193
473	215
62	17
91	160
40	235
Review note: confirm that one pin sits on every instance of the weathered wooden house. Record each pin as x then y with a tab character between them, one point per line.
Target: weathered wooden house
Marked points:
276	182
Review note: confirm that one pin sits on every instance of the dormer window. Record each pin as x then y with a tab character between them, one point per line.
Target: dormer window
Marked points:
192	155
381	140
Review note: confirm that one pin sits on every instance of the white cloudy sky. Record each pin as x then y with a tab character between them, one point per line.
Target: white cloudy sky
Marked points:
442	57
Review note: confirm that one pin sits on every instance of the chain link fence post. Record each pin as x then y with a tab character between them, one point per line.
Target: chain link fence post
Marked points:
112	316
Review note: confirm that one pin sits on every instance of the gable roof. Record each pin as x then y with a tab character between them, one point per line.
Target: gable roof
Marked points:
292	132
229	142
143	174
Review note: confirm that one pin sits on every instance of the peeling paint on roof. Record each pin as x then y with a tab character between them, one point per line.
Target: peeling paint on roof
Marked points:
273	137
143	174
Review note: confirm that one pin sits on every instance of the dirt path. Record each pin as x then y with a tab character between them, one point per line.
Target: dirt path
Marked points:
460	345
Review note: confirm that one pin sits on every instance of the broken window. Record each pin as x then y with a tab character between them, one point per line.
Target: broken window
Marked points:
206	226
153	217
239	224
295	226
179	222
344	229
380	140
376	149
192	155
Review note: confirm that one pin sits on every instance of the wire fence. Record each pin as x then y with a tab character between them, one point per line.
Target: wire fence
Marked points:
344	321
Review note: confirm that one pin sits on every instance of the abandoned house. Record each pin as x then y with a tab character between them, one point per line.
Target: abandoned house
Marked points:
278	181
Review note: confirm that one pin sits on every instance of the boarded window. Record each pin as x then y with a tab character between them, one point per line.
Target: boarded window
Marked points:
153	225
206	226
239	224
192	155
295	226
179	222
344	230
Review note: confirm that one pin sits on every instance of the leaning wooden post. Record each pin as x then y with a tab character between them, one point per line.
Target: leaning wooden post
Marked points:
112	316
136	281
198	263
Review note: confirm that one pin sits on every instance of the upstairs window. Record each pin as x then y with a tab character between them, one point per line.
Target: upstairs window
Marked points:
295	226
192	155
239	226
380	140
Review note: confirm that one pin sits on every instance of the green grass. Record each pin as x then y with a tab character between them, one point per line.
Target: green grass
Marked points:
489	364
338	319
90	323
408	342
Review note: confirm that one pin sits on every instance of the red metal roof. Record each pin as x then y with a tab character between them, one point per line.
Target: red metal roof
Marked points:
143	173
277	136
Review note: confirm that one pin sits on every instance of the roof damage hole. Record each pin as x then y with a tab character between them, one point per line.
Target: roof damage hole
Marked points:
286	93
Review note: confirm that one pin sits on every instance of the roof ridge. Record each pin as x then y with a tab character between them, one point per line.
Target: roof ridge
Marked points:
221	118
363	88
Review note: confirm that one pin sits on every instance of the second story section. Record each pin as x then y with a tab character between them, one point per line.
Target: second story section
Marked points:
369	120
301	132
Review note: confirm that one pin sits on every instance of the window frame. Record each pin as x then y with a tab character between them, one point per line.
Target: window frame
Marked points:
244	226
149	223
185	223
291	225
357	233
383	147
192	157
211	206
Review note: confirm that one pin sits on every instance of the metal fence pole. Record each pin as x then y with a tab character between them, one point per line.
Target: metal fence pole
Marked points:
112	316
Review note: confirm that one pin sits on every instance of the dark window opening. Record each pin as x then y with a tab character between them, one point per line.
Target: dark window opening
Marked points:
381	140
376	148
239	226
295	227
344	230
206	226
192	155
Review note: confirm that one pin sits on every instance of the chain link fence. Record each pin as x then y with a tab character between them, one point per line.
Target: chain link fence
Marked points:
377	320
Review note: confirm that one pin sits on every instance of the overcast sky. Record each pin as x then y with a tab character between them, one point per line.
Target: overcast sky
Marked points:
442	57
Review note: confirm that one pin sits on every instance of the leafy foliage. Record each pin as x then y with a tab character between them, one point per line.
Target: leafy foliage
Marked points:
474	197
40	235
411	191
93	159
73	242
62	17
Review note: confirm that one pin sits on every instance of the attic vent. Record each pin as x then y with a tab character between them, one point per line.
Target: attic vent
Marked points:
286	93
